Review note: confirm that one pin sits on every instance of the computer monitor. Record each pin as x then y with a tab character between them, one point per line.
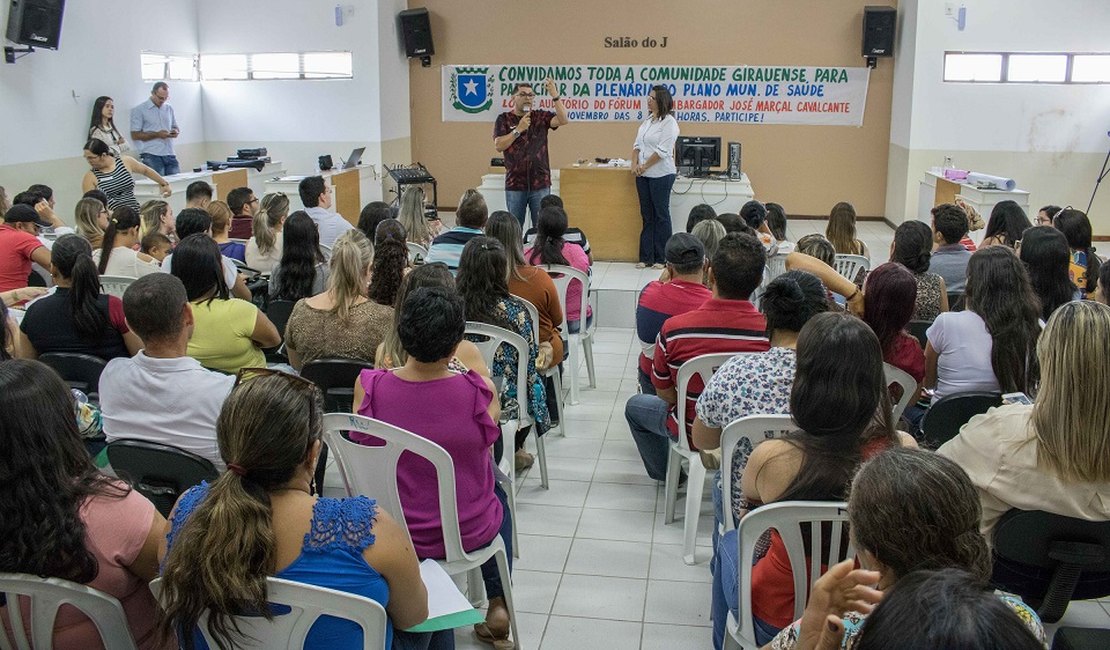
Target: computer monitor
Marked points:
695	155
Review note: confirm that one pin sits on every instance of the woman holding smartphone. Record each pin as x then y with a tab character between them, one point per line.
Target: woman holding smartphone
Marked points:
654	168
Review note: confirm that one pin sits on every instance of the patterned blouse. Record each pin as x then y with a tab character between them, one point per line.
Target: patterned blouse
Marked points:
928	296
320	334
787	639
747	384
504	365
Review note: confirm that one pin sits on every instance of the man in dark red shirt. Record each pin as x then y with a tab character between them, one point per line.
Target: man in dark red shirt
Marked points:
727	322
521	135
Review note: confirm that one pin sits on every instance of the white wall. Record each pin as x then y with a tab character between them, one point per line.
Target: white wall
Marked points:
46	97
1051	138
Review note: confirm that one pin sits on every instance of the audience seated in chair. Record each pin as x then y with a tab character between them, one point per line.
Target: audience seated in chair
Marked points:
471	216
62	517
727	322
841	404
244	206
372	214
198	195
263	250
1046	256
318	199
192	221
1048	456
550	247
910	510
228	333
1006	225
391	262
161	394
891	294
1083	267
260	519
483	284
340	322
413	216
77	317
221	223
19	246
303	270
776	223
116	254
571	236
913	248
758	384
698	213
754	214
841	231
950	257
459	412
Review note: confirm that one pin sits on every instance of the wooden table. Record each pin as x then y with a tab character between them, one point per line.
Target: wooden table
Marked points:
605	205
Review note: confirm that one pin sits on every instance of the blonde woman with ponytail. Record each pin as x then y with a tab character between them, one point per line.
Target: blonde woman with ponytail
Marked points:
264	247
341	322
260	519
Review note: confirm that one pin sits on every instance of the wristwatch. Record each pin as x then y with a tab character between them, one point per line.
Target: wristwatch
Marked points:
516	133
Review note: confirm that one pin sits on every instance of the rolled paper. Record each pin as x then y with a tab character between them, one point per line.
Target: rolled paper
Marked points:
1002	183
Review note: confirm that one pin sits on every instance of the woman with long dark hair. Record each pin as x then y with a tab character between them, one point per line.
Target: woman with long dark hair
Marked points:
891	292
114	175
391	262
303	270
912	248
103	126
654	168
1006	226
1083	268
260	518
483	269
1044	250
228	333
840	401
117	254
77	317
60	517
841	231
551	248
990	346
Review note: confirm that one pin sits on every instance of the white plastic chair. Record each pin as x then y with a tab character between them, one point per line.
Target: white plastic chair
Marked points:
562	275
850	265
372	471
46	596
115	285
745	433
306	603
909	389
494	337
704	365
787	518
553	371
417	253
776	266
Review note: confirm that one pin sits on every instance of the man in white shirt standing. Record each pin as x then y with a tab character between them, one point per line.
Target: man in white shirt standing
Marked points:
162	395
153	129
316	195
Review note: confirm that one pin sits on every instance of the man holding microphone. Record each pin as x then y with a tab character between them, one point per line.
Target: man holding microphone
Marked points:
521	135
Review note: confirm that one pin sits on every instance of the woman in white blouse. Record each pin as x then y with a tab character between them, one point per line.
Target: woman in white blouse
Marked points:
654	169
117	254
103	126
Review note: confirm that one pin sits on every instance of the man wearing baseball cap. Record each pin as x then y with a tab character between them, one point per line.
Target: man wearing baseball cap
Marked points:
20	245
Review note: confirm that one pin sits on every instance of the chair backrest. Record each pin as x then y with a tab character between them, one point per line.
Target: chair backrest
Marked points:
115	285
744	434
372	470
917	329
776	266
305	604
278	311
46	596
491	338
908	385
534	313
80	371
788	518
945	416
336	379
159	472
417	253
703	365
956	301
850	265
1066	546
561	276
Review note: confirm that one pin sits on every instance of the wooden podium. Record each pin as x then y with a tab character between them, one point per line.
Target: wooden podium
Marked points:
602	201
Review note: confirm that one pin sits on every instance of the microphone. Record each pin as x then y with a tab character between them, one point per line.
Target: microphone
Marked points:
527	108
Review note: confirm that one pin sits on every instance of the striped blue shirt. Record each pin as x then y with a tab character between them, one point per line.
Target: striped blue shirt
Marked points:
447	248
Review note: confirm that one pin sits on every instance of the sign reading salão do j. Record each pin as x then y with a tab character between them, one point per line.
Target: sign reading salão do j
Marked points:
712	94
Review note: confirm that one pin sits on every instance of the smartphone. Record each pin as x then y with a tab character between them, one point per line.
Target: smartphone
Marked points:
1016	398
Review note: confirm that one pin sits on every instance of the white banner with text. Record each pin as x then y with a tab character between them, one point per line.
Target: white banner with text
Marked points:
827	96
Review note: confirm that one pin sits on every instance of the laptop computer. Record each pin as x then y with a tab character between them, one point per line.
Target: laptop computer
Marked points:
352	160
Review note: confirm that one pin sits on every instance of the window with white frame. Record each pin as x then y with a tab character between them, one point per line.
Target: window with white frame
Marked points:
1027	67
276	65
168	67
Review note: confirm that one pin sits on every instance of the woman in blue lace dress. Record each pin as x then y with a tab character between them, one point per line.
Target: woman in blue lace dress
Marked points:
483	282
260	518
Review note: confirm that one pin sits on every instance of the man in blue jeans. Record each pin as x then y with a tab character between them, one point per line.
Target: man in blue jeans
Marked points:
153	129
521	135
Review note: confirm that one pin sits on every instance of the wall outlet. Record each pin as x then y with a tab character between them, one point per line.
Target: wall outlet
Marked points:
950	9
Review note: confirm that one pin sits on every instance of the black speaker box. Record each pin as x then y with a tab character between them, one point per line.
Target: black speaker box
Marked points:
878	30
416	30
36	22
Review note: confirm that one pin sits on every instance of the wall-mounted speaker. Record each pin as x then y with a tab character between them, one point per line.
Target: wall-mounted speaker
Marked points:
36	22
878	31
416	32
